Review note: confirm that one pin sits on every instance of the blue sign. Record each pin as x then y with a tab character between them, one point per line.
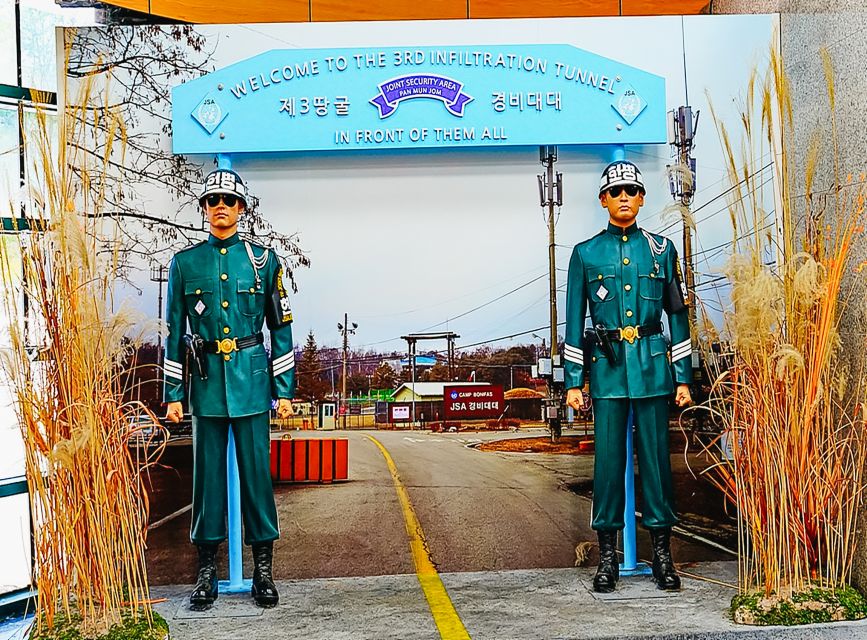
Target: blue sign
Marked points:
402	98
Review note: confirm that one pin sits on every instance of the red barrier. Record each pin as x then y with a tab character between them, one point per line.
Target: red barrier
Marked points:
321	460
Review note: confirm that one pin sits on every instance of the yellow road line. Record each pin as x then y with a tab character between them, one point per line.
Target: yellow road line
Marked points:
444	614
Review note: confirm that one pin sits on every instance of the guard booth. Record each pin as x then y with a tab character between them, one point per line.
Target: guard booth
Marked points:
327	415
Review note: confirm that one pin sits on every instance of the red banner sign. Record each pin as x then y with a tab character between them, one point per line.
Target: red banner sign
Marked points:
478	401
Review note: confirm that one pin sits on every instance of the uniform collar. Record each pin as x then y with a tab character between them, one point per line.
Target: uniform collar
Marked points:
228	242
619	231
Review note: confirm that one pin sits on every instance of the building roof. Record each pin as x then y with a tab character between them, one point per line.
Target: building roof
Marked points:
523	393
420	361
431	388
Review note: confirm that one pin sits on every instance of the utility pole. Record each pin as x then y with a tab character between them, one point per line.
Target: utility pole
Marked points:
551	195
345	330
682	126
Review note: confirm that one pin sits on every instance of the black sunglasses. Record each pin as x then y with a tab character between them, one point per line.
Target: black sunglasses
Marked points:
214	199
631	190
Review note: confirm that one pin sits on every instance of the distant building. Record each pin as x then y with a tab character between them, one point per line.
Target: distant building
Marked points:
425	391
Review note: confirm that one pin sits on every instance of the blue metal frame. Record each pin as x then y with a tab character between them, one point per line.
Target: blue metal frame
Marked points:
630	565
236	582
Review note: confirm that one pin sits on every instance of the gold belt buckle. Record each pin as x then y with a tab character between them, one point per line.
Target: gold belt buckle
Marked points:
227	345
629	334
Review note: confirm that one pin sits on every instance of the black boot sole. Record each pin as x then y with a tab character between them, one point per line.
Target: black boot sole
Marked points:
673	588
266	605
203	604
265	602
603	589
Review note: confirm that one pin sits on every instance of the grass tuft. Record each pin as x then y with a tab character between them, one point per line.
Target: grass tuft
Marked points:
65	364
790	407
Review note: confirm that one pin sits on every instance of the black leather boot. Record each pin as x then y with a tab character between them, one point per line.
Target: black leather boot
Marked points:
663	566
205	591
264	590
608	571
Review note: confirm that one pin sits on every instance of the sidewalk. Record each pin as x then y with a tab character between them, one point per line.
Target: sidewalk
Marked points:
510	605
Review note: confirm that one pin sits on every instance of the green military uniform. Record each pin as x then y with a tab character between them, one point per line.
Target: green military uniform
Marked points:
226	290
627	277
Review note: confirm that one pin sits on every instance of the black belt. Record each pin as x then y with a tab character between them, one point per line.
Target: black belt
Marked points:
228	345
618	335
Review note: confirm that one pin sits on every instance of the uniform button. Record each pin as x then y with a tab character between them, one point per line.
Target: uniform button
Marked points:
223	250
226	329
594	358
225	304
628	287
652	275
227	357
599	276
629	314
625	238
223	276
198	291
625	260
252	289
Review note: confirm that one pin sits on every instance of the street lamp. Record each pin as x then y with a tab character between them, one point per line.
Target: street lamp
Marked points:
160	274
536	347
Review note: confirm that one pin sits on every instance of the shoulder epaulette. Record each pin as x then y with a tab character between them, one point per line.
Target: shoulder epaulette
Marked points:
591	238
191	247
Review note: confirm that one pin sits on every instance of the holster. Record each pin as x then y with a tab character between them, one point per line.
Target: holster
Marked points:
604	342
196	350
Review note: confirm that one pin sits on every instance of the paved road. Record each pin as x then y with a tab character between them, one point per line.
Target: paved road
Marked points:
478	512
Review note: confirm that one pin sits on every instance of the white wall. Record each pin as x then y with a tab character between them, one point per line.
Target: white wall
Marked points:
14	509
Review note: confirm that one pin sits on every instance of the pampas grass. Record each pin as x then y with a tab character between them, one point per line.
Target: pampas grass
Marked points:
793	444
88	502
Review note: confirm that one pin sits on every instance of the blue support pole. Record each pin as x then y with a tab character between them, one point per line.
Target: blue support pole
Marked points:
629	553
236	582
630	565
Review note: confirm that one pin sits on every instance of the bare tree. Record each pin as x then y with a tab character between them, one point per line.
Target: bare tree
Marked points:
139	65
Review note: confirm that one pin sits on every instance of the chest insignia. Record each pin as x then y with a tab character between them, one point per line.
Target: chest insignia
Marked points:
200	307
602	292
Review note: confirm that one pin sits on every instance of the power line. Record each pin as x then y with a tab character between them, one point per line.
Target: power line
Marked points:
442	302
747	234
514	335
485	304
720	195
489	302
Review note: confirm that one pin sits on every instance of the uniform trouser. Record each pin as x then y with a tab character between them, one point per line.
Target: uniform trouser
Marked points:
654	464
252	445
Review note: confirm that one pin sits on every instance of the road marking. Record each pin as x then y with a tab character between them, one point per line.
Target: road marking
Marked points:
445	616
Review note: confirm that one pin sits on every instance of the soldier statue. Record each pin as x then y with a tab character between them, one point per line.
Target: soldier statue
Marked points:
223	290
627	277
